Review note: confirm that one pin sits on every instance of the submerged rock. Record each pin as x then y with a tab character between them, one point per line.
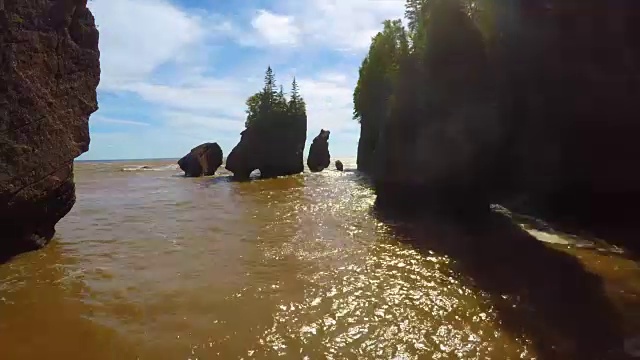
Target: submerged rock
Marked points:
49	73
274	150
202	160
339	165
319	158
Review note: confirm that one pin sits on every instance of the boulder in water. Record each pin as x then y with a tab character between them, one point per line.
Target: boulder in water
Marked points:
319	158
339	165
48	79
202	160
272	149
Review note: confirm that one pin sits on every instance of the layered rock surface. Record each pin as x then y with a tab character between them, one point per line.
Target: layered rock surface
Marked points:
319	157
202	160
49	72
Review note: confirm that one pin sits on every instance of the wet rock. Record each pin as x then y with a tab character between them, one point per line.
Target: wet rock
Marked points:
202	160
49	72
319	158
339	165
274	149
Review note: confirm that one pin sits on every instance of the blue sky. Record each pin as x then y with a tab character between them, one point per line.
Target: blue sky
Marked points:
176	73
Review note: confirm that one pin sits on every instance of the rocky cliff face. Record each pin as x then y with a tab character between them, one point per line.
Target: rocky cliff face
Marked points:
444	155
524	97
276	149
49	72
319	157
202	160
572	88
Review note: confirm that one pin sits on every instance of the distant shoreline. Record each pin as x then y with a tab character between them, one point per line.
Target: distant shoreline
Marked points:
125	160
346	158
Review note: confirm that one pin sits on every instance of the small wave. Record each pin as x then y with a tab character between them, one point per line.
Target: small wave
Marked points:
171	167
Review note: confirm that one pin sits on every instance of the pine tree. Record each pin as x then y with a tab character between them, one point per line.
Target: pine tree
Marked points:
280	104
295	99
253	108
414	12
270	107
268	97
270	84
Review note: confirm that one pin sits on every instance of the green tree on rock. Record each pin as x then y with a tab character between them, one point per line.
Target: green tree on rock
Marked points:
253	107
270	107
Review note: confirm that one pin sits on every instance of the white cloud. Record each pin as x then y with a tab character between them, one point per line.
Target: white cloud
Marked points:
329	104
137	36
162	54
190	123
345	25
220	103
226	96
107	120
275	29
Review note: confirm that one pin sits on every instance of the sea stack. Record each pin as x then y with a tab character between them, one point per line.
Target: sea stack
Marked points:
339	165
48	79
202	160
273	151
319	157
274	136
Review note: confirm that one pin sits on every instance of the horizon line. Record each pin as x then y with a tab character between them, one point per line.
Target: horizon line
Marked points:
174	159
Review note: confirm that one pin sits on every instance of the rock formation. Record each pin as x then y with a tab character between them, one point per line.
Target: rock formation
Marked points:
274	149
574	90
523	97
445	160
319	158
49	72
202	160
339	165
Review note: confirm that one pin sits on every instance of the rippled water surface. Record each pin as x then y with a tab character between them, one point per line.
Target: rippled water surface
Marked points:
151	265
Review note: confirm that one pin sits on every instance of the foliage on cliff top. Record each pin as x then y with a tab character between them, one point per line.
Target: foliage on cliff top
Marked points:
270	106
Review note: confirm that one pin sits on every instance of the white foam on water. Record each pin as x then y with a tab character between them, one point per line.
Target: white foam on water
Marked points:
170	167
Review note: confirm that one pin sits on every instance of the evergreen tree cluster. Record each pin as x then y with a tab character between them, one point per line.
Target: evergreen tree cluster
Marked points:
417	73
270	107
504	98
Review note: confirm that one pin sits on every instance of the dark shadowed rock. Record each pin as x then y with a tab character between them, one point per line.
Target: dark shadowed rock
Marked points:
532	100
319	158
339	165
274	149
446	160
202	160
49	72
574	80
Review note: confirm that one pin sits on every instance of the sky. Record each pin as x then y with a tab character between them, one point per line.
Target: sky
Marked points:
176	73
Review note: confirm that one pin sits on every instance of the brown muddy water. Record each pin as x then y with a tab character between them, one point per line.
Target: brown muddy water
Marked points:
150	265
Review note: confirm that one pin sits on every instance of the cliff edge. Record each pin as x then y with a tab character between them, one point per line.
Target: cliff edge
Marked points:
49	72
